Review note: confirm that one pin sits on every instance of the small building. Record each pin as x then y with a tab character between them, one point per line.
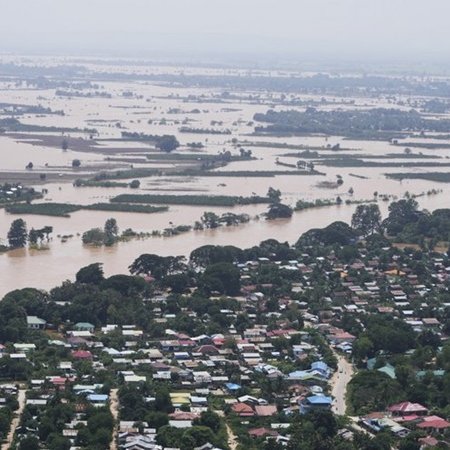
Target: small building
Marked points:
36	323
84	326
315	402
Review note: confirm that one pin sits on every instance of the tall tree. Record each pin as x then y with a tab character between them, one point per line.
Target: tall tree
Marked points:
274	195
17	234
90	274
366	219
111	231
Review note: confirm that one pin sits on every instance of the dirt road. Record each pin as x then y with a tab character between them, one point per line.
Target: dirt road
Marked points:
21	398
339	383
114	408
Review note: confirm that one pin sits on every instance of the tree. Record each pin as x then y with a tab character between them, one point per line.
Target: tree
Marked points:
33	236
222	277
210	254
209	419
366	219
401	213
372	391
362	348
274	195
149	264
29	166
135	184
210	219
17	234
279	211
111	231
57	442
167	143
177	282
94	236
29	443
92	274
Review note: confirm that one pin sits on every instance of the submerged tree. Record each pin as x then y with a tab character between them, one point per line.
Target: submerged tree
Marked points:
17	234
111	231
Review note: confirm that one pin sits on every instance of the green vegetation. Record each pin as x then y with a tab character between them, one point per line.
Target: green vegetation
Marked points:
166	143
79	182
108	236
361	163
15	192
308	154
125	207
46	209
14	125
17	234
378	123
201	200
440	177
372	391
279	211
366	219
302	204
64	209
203	130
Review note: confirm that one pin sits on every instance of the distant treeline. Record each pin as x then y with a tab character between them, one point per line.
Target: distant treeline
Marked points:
201	200
65	209
373	123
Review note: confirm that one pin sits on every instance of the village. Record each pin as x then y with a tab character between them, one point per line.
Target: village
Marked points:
351	334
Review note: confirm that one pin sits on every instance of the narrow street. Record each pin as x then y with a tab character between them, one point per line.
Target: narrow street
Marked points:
114	408
339	383
232	438
21	398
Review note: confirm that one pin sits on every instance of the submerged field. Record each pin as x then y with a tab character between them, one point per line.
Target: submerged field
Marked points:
131	141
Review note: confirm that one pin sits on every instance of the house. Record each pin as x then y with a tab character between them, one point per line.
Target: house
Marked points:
84	326
82	354
389	370
36	323
262	432
265	410
315	402
434	423
407	408
243	410
97	399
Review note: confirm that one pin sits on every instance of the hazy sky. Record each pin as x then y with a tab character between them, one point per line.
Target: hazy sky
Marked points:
403	29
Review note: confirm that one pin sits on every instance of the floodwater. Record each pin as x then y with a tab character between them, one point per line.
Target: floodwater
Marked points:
162	110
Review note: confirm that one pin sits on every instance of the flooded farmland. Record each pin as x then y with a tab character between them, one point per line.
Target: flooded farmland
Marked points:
207	121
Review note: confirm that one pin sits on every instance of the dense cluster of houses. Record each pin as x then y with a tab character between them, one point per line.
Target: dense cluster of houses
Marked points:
231	368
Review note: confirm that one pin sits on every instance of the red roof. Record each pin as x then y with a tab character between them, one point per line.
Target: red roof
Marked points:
265	410
82	354
184	415
207	349
430	441
434	422
407	407
260	432
243	410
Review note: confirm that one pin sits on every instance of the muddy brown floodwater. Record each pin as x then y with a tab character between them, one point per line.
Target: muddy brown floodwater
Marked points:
156	109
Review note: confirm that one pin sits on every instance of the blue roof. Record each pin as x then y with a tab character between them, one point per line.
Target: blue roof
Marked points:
319	400
320	365
97	397
232	386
